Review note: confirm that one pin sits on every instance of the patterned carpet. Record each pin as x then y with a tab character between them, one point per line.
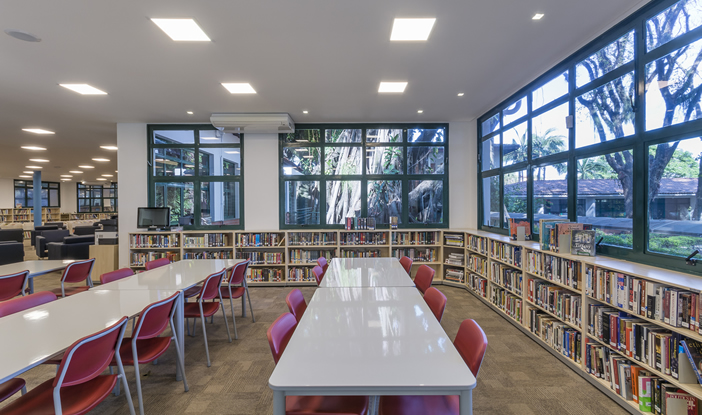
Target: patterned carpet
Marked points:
517	377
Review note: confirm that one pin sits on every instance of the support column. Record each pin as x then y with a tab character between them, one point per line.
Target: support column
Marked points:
37	198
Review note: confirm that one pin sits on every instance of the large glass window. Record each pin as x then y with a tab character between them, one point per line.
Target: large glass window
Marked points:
97	197
330	174
550	193
199	160
24	194
515	196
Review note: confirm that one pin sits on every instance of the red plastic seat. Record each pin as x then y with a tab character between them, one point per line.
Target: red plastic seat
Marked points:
161	262
322	262
296	303
423	278
116	275
11	387
79	385
23	303
279	334
236	287
200	309
406	263
12	285
76	272
145	345
471	344
318	274
436	300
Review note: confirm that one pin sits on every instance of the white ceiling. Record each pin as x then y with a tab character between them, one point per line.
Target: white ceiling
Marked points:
325	56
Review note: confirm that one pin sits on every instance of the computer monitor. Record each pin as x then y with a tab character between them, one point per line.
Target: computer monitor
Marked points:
153	217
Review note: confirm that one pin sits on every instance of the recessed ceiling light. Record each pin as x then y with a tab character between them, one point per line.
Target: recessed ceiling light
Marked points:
182	30
411	29
101	179
84	89
107	175
114	148
33	167
537	16
39	160
386	87
86	167
33	148
65	180
66	175
190	113
75	171
100	159
305	112
37	131
239	88
460	94
28	172
25	177
27	37
232	152
420	111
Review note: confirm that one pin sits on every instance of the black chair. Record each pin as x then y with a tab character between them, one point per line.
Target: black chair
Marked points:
11	252
84	230
59	224
72	247
12	235
46	237
109	225
39	230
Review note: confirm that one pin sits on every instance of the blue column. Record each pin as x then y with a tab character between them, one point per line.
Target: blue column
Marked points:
37	198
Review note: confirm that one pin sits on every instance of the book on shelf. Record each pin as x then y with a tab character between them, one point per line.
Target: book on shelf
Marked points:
519	227
693	350
582	242
453	239
454	259
454	275
394	220
545	227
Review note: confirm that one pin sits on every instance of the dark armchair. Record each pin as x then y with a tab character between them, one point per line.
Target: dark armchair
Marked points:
49	236
72	247
11	252
12	235
84	230
39	230
60	225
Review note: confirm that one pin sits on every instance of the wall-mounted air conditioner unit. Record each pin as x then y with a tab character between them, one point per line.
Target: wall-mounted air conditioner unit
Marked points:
254	123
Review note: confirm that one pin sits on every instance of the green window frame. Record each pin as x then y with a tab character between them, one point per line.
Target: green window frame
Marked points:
633	48
195	176
390	179
23	188
99	198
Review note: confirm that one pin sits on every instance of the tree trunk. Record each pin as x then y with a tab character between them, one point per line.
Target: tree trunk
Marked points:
697	213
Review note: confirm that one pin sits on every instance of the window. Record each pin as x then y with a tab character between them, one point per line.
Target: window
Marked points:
330	174
24	194
97	197
197	172
550	193
515	196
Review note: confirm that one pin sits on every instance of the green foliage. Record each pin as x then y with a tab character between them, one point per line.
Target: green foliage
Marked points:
682	165
678	245
595	168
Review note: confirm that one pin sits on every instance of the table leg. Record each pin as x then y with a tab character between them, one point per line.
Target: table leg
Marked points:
467	402
243	305
278	403
180	331
30	285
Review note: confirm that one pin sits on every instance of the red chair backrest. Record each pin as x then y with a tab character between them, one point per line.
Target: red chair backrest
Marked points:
90	356
12	285
157	263
279	334
436	300
116	275
210	288
423	278
22	303
406	263
154	319
322	262
471	344
78	271
296	303
239	273
318	274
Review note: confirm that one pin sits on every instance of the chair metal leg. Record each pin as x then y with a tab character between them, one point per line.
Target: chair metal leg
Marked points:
231	306
204	333
180	362
116	389
124	381
250	304
226	323
138	379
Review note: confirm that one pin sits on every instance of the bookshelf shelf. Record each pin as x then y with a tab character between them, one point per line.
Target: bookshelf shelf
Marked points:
566	322
541	277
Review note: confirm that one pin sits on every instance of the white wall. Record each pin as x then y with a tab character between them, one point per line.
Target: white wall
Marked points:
132	189
69	203
7	193
463	175
261	182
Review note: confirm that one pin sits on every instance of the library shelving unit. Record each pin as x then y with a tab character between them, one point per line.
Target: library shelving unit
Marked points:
303	250
207	245
91	216
266	250
51	214
6	215
454	258
423	246
364	243
19	215
147	246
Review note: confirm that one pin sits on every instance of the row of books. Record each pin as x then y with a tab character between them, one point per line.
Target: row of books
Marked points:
559	235
259	239
453	239
300	274
454	275
208	255
563	271
415	238
558	335
477	264
507	277
206	241
455	259
169	240
532	262
477	243
311	238
359	223
304	256
139	259
507	302
478	284
373	253
363	238
271	258
556	300
508	253
417	254
517	227
673	306
265	275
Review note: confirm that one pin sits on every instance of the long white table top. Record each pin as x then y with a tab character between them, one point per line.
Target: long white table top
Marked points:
370	341
35	267
365	272
32	336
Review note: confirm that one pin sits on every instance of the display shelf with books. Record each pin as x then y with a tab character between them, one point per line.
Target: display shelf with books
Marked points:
139	259
561	337
313	238
361	238
454	239
309	257
477	284
259	239
556	300
415	238
508	303
454	275
506	277
477	244
300	274
199	240
154	240
362	252
418	255
506	253
265	275
477	264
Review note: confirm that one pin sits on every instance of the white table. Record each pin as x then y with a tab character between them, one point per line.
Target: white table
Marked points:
370	341
35	268
366	272
31	337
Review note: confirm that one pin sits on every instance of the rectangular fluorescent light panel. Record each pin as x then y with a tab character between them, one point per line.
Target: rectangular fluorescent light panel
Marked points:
37	131
537	16
386	87
109	148
84	89
411	29
239	88
182	30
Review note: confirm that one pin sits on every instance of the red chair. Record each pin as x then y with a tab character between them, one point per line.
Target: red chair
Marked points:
322	262
11	387
279	334
145	345
471	344
436	300
79	385
76	272
116	275
406	263
318	274
12	285
423	278
236	287
161	262
211	289
296	303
